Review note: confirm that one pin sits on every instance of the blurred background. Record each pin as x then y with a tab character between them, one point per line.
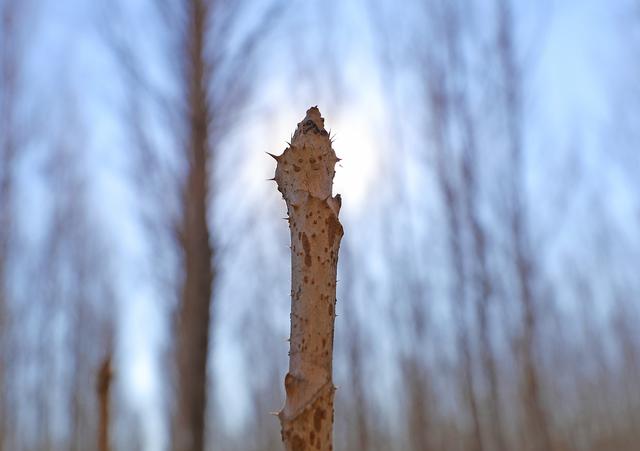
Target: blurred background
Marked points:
489	287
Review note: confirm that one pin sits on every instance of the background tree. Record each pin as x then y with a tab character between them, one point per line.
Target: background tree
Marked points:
212	84
12	146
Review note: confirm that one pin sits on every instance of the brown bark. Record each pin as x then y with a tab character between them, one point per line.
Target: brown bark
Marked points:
193	316
105	376
304	175
420	421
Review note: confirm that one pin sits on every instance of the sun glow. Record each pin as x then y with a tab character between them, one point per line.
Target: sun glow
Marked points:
353	142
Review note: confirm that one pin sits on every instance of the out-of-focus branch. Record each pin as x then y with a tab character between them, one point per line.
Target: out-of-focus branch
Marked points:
444	65
525	266
103	387
12	14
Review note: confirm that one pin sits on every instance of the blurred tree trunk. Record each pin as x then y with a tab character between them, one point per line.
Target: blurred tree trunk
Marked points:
212	82
480	283
304	175
482	280
76	288
441	105
104	380
482	294
359	435
538	433
420	428
10	72
195	304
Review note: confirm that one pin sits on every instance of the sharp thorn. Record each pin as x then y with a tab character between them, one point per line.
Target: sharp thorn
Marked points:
275	157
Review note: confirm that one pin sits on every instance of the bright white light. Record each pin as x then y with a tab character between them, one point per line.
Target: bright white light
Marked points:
140	374
142	377
355	145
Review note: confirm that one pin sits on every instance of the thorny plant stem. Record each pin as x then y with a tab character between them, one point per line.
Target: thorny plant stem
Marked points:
304	175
